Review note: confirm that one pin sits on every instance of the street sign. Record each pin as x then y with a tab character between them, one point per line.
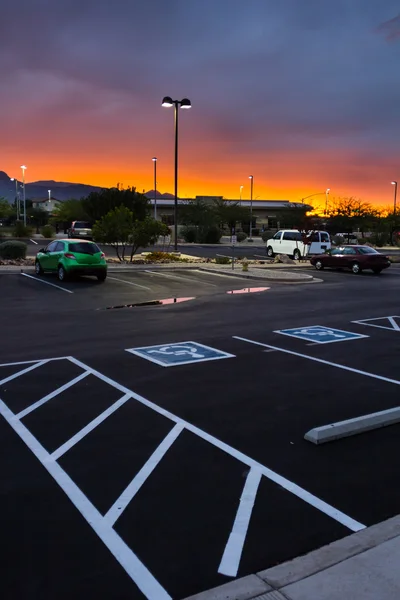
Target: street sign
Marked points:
392	323
320	334
234	239
181	353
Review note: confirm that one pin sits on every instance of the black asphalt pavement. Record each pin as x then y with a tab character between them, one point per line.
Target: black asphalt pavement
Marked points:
122	478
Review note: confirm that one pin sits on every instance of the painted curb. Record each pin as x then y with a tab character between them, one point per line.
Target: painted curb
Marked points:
341	429
245	588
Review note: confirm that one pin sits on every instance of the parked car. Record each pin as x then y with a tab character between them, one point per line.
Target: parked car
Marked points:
356	258
290	241
71	257
80	229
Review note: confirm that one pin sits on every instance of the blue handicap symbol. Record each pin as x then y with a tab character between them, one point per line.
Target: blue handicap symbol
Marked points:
170	355
320	334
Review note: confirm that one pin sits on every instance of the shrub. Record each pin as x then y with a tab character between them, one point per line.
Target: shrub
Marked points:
20	230
189	235
157	256
47	231
13	249
255	231
266	235
241	236
212	236
222	260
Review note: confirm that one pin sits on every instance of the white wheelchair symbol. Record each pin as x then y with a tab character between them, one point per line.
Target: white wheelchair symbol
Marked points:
178	350
319	332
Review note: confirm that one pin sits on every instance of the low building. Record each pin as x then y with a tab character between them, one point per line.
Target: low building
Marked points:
267	214
47	204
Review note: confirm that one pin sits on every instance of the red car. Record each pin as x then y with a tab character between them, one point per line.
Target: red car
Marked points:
356	258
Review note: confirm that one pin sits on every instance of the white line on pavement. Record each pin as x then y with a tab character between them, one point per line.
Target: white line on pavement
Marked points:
142	577
229	564
320	360
179	277
56	392
33	241
132	489
89	427
47	283
19	373
130	283
288	485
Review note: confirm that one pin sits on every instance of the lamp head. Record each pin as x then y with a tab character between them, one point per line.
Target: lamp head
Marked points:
185	103
328	190
23	167
250	176
167	101
154	159
393	182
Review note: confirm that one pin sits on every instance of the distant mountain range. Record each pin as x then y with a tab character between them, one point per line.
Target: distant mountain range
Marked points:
60	190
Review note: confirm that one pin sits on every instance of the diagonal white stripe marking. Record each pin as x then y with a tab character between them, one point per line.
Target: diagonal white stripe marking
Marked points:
233	550
394	324
89	427
136	570
19	373
132	489
47	283
59	390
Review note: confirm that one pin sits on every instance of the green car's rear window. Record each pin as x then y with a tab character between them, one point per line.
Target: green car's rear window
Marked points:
84	248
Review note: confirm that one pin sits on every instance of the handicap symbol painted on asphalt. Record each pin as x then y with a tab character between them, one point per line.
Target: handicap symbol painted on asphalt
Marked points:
181	353
320	334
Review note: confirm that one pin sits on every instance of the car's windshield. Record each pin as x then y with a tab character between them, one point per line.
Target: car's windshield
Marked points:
367	250
83	248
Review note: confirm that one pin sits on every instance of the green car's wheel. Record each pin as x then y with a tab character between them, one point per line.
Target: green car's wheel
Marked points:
38	268
62	273
102	277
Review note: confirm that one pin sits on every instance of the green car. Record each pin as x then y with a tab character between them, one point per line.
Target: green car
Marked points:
71	257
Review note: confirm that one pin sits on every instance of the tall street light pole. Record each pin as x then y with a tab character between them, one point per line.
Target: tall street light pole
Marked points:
395	198
241	189
185	103
251	206
23	167
154	159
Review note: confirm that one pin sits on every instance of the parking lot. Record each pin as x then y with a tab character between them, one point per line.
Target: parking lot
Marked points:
157	451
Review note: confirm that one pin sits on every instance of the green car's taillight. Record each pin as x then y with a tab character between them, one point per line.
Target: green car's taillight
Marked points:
69	255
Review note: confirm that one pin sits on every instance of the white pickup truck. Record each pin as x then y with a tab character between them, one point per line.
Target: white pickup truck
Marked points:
290	241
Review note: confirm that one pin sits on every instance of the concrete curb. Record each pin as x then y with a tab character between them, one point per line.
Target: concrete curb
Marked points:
291	277
279	577
341	429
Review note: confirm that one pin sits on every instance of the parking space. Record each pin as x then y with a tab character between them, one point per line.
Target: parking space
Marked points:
168	446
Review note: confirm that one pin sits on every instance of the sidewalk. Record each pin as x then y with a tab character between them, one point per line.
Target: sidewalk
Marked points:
362	566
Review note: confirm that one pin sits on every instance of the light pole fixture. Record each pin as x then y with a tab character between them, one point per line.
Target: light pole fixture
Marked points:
154	159
23	167
16	195
241	189
185	103
395	198
251	206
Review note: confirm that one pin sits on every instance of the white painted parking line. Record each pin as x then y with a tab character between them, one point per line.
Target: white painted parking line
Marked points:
132	489
19	373
386	322
56	392
47	283
129	283
319	360
145	581
179	277
89	427
33	241
229	564
288	485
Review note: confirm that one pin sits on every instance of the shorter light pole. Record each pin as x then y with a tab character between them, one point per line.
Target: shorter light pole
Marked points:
154	159
326	199
395	198
251	207
16	195
49	192
241	189
23	167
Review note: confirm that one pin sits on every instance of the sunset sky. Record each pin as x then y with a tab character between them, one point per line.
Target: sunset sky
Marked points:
302	94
